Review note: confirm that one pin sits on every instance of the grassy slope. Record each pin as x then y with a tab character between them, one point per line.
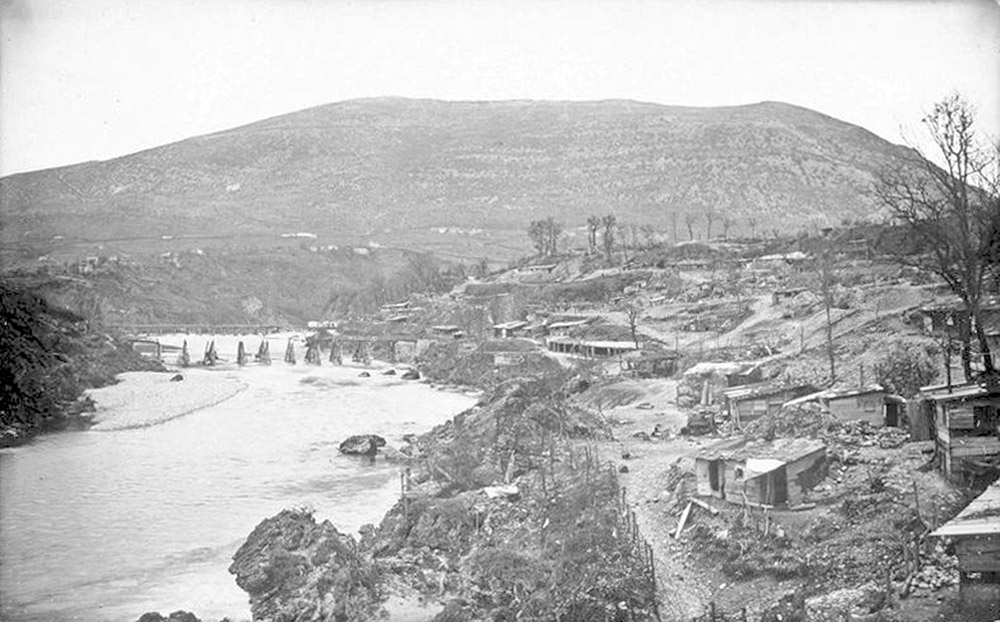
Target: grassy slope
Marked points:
391	167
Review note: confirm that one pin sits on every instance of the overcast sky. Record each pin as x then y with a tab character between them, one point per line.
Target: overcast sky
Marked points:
94	79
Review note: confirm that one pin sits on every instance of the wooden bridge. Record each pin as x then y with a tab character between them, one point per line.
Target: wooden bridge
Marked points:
361	347
196	329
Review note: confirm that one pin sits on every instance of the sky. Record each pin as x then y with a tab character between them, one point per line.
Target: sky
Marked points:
94	79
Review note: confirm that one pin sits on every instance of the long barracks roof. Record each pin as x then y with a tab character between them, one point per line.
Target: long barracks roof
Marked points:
588	343
981	517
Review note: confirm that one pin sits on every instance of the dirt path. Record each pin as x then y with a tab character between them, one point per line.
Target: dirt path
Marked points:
682	591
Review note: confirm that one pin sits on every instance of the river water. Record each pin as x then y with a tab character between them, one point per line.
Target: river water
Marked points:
106	525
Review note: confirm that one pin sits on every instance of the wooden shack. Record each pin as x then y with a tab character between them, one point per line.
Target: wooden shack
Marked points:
750	401
871	403
771	473
652	364
975	532
447	330
966	427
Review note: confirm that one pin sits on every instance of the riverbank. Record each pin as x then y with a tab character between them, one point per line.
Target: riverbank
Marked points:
51	356
168	504
505	517
141	399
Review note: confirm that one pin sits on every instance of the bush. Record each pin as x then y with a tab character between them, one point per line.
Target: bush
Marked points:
906	366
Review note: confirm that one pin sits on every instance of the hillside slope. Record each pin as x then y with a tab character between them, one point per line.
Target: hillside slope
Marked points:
391	166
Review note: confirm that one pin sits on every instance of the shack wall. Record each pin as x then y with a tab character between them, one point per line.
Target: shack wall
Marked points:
866	407
978	553
804	473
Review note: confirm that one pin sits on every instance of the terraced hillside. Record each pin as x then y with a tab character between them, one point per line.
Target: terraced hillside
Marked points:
392	167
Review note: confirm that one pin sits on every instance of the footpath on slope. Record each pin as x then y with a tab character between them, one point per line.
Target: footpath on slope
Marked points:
682	592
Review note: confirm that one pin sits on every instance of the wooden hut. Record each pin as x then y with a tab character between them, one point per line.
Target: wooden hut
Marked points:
750	401
975	533
966	427
770	473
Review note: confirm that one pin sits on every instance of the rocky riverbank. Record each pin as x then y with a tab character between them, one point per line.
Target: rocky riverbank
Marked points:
50	357
507	516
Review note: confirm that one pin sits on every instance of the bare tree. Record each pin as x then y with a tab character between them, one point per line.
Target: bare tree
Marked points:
545	235
553	231
648	235
536	231
689	220
710	215
632	313
593	226
949	214
610	224
674	215
752	223
727	224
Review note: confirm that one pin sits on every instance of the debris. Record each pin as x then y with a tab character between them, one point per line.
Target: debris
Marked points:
683	521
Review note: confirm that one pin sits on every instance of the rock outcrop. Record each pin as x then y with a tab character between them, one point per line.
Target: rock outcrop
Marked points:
362	445
295	569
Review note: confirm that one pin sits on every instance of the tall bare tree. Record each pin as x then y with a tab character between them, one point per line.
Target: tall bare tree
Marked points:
948	213
674	215
593	226
689	220
727	224
610	225
710	215
545	235
752	223
632	312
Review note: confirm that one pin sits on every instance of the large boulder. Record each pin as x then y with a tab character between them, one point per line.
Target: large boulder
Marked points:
410	374
295	569
362	445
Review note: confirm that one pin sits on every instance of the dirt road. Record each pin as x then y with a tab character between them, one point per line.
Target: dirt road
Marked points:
683	593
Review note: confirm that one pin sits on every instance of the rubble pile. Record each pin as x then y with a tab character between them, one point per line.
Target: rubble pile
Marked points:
864	434
678	486
803	421
940	570
856	602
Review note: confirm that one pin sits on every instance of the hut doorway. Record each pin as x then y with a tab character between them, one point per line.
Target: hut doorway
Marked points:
716	478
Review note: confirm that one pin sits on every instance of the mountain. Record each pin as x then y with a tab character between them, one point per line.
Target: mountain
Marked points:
388	168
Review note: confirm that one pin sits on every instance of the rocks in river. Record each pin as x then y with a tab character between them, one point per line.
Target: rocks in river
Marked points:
389	372
295	569
177	616
411	374
177	378
362	445
364	374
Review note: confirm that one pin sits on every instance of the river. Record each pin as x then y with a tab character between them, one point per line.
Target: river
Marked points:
106	525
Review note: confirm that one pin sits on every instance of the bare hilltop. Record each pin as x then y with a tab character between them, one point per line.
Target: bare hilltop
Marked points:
396	169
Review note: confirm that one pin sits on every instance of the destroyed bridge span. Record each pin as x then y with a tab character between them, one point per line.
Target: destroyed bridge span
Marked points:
196	328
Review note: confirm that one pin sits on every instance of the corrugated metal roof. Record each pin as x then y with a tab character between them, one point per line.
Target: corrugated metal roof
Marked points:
939	393
784	449
510	325
761	389
980	517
